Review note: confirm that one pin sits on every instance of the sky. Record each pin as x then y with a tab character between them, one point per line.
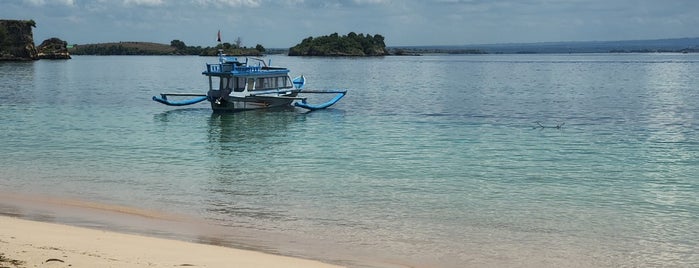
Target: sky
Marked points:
284	23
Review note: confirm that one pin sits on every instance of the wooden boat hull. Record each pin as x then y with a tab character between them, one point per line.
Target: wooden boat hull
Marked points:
234	104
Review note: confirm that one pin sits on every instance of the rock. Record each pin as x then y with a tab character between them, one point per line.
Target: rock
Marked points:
17	40
53	49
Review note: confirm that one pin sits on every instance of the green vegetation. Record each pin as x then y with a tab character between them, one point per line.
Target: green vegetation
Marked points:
176	47
123	48
351	44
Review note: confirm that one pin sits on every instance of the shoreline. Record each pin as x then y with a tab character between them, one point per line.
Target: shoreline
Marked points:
27	243
34	226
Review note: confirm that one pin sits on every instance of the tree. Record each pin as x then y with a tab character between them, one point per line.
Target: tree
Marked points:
179	45
260	48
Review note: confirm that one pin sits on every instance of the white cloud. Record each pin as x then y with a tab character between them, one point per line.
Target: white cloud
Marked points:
50	2
230	3
361	2
143	2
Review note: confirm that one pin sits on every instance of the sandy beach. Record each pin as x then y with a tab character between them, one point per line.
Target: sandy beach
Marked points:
26	243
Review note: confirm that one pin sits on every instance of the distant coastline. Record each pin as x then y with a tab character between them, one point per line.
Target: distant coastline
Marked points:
674	45
176	47
671	45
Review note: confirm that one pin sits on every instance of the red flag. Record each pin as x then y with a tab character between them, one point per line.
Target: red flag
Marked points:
219	36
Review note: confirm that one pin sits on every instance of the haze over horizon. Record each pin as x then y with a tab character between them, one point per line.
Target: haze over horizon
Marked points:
284	23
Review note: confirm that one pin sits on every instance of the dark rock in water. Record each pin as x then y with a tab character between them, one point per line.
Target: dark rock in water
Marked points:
54	49
17	40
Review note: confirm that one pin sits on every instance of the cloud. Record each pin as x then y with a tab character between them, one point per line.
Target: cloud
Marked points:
151	3
230	3
50	2
370	2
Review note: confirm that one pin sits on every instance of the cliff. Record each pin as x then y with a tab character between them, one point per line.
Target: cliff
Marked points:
54	49
17	40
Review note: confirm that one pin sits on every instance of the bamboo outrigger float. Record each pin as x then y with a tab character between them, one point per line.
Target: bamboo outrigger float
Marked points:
248	85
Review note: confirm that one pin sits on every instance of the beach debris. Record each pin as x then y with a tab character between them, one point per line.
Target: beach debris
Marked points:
541	126
13	262
53	259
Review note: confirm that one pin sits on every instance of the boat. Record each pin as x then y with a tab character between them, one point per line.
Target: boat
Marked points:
237	85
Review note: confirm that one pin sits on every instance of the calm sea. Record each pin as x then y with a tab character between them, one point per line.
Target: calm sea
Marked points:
429	161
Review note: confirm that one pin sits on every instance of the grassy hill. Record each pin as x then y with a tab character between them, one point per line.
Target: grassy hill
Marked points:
123	48
175	48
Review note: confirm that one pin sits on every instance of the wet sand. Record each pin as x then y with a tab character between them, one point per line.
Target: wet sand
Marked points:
25	243
40	231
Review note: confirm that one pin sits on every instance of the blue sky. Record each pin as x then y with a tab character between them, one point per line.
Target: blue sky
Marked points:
284	23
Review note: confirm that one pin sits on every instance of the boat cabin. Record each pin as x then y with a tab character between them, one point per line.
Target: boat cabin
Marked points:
241	80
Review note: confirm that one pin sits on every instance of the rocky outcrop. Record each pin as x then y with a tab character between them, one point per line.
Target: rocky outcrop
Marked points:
54	49
17	40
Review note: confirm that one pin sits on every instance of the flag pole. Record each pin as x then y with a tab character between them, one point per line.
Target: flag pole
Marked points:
220	50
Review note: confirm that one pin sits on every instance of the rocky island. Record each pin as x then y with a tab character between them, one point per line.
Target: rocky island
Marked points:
17	40
53	49
351	44
17	43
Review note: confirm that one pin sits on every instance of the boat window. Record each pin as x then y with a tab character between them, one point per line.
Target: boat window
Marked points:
273	83
227	83
239	84
251	82
222	83
260	83
283	82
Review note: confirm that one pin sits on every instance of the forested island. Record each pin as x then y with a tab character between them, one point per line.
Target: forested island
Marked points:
351	44
176	47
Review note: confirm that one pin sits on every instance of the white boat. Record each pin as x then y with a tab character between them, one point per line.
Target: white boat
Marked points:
251	84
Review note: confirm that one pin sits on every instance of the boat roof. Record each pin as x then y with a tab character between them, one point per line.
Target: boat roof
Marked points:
230	66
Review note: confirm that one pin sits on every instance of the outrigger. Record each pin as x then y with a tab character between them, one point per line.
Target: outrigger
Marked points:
248	85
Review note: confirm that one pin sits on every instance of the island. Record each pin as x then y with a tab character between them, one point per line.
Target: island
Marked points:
17	43
53	49
176	47
17	40
351	44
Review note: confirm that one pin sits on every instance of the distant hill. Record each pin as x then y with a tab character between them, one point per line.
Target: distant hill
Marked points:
176	47
686	45
123	48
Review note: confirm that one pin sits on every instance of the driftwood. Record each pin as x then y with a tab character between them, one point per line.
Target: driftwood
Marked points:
53	259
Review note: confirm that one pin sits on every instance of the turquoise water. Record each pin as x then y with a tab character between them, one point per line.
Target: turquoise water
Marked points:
431	161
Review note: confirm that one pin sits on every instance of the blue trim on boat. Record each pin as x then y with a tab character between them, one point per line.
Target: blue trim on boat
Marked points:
313	107
179	103
299	82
